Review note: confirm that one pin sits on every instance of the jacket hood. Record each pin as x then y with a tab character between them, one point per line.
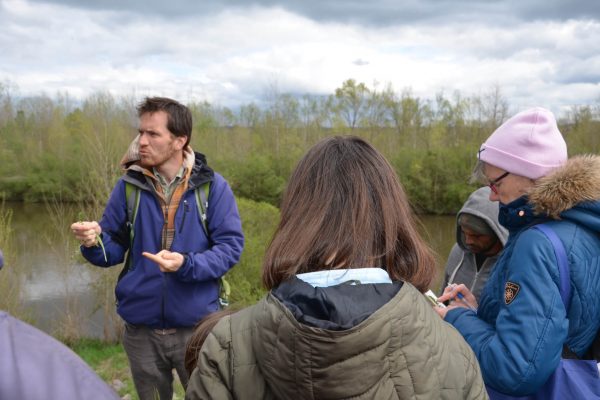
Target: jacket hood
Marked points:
200	172
297	357
334	307
578	181
479	205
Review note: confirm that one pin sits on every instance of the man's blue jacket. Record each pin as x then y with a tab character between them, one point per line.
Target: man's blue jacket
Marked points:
521	325
147	296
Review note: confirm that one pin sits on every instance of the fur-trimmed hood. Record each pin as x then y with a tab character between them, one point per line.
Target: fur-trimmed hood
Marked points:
576	182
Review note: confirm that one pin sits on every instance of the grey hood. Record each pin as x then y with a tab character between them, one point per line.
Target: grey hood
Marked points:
479	205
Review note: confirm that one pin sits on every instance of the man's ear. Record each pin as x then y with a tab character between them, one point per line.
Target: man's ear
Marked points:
180	142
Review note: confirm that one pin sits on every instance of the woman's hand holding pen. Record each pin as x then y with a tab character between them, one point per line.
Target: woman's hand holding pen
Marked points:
459	296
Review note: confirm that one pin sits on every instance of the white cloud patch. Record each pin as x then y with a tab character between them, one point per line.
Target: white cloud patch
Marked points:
234	56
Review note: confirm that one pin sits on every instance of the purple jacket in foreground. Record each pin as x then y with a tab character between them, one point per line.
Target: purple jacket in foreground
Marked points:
35	366
147	296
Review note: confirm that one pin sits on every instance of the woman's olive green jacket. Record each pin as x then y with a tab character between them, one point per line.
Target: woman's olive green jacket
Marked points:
403	350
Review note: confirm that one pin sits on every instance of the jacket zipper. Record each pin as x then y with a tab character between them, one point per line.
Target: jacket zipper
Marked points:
164	276
164	229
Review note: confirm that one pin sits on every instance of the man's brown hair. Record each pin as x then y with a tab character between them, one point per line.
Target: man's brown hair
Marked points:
344	207
179	117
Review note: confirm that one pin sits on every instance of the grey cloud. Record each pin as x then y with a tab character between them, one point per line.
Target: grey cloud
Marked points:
583	77
583	71
382	12
374	13
557	9
170	8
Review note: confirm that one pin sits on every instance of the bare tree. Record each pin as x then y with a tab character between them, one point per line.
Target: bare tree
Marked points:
351	100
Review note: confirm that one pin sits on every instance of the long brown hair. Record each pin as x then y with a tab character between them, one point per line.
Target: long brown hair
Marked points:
201	332
344	207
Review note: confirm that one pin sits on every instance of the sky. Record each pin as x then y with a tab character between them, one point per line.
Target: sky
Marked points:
233	52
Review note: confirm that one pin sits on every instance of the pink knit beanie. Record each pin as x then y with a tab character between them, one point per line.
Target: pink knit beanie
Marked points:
528	144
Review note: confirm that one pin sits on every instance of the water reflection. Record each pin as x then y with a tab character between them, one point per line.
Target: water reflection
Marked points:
57	287
440	233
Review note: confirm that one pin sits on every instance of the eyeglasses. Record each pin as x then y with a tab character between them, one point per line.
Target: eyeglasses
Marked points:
492	184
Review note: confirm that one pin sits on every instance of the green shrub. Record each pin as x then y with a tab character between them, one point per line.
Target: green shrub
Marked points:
259	220
256	179
436	181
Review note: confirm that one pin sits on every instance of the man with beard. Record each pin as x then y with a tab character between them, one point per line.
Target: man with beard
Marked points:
178	223
479	242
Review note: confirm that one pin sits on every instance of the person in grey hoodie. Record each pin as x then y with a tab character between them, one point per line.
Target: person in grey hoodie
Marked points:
480	240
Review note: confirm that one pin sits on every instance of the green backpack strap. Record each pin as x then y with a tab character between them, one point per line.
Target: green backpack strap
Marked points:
132	196
202	193
132	193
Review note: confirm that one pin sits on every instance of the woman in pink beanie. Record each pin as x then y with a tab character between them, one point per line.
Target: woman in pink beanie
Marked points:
540	308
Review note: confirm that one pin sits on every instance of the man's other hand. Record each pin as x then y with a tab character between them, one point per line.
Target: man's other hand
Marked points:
167	261
86	232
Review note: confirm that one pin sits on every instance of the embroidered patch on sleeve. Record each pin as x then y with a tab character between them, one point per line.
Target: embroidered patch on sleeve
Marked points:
510	292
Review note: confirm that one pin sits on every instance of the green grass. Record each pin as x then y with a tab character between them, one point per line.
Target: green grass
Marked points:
110	363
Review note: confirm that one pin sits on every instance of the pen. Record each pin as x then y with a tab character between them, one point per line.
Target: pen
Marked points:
462	298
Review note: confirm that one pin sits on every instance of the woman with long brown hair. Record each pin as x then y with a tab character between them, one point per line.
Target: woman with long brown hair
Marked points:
344	316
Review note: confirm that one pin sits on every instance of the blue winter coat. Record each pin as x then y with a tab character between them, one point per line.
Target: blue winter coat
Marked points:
147	296
521	324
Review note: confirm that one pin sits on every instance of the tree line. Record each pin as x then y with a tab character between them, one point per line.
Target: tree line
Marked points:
66	150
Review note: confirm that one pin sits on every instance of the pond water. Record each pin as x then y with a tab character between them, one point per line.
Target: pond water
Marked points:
54	281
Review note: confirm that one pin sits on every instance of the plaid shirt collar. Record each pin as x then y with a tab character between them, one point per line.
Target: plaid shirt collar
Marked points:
168	187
